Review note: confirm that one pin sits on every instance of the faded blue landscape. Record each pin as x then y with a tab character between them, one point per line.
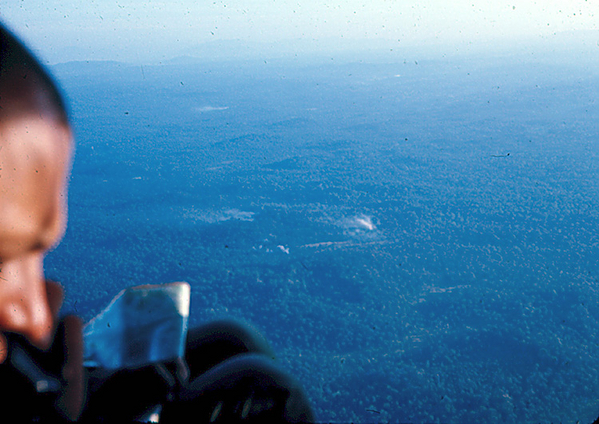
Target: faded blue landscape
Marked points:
416	236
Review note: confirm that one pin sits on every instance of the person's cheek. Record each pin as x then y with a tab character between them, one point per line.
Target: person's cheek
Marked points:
3	348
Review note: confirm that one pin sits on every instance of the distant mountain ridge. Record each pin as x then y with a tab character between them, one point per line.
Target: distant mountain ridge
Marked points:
348	50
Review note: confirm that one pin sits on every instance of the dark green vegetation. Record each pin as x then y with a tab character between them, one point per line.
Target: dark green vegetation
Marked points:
417	248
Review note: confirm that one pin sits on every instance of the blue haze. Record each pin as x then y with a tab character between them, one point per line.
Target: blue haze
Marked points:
417	239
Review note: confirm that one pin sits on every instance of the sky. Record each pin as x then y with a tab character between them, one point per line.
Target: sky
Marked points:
145	30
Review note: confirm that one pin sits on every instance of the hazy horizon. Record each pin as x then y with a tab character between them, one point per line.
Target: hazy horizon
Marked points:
142	32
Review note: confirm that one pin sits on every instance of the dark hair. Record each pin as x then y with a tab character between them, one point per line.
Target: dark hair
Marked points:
22	74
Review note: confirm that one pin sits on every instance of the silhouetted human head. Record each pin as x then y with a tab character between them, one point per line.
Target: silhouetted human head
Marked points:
35	154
